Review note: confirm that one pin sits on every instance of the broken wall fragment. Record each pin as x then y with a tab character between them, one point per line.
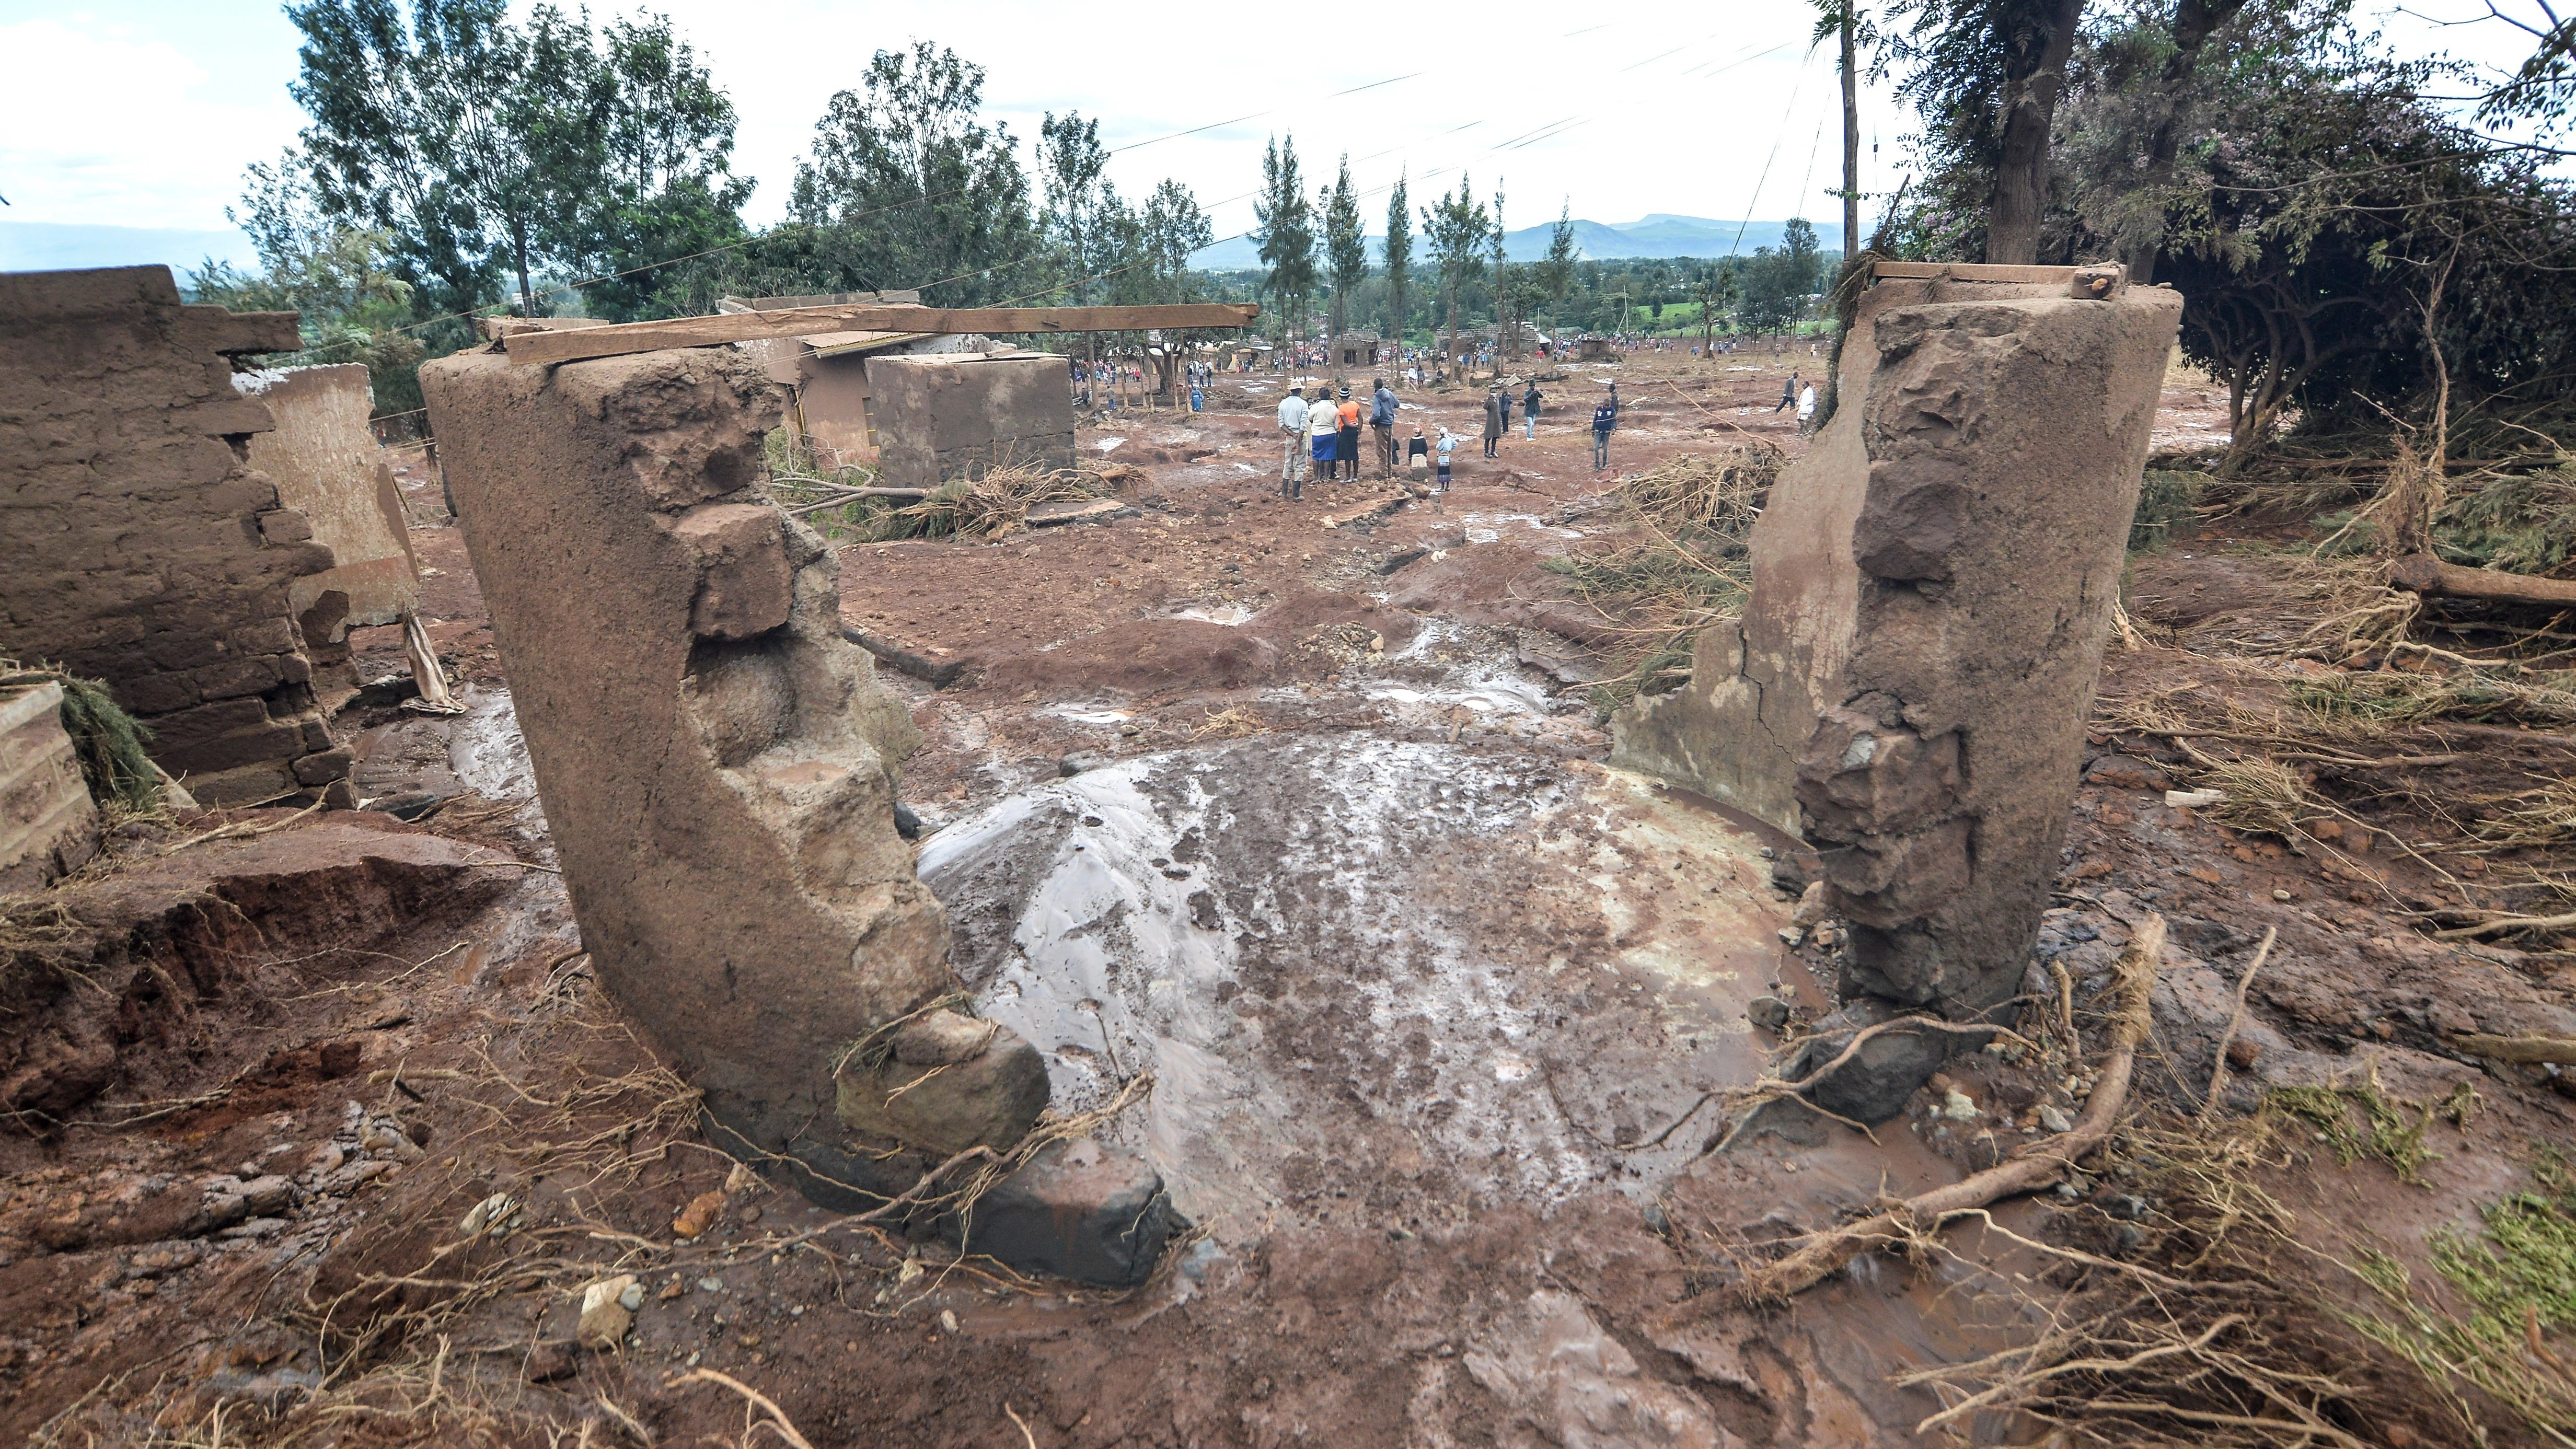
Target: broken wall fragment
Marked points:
954	415
1931	597
718	767
145	549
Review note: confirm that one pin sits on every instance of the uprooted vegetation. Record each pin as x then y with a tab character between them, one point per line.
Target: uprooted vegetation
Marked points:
1686	563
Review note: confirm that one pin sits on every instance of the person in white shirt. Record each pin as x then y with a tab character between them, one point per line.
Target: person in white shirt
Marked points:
1807	406
1292	421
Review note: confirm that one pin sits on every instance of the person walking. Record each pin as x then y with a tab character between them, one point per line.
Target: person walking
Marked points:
1382	424
1806	406
1788	391
1529	411
1605	420
1347	448
1498	413
1292	421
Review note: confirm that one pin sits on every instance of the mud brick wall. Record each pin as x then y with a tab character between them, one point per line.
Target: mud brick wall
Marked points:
143	547
717	764
1932	588
953	415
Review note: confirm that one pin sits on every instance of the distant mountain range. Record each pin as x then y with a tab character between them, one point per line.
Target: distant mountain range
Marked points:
1657	234
34	246
47	246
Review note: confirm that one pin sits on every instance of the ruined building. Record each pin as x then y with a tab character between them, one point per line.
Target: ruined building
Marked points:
1932	593
146	547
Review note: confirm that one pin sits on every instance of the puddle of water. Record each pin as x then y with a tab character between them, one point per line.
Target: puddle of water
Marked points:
1445	975
1107	445
1229	615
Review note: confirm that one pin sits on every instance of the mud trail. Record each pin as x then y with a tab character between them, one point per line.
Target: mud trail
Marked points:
1307	822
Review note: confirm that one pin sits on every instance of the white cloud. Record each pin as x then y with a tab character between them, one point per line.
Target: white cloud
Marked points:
114	124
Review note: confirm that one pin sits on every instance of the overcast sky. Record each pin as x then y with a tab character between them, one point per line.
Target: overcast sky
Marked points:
144	113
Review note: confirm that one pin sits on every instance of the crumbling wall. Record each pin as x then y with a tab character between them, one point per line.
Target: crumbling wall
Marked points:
48	823
144	548
953	415
326	465
1931	597
718	767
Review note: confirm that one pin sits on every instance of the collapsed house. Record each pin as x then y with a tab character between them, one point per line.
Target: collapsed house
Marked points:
148	548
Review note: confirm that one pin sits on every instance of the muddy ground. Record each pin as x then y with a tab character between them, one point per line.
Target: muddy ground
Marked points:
323	1125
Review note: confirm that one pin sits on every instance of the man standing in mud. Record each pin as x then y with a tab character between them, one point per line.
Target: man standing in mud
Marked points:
1382	426
1292	423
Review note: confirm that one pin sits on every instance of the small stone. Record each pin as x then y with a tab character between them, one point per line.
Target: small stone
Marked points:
1792	936
604	1314
268	1196
1811	905
711	1285
1079	761
1769	1013
2242	1054
2280	895
947	1321
701	1214
550	1360
2053	1118
1958	1106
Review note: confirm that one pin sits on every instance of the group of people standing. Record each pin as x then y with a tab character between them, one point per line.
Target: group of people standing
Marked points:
1322	433
1326	432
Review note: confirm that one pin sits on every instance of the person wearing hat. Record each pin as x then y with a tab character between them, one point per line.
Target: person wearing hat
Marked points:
1347	450
1417	454
1292	421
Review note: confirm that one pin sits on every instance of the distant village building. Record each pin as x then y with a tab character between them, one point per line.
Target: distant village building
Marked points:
829	401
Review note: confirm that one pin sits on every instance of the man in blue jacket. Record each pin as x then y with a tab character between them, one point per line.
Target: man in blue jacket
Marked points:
1382	426
1605	418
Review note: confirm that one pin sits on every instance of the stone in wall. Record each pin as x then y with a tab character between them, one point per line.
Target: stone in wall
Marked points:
1932	587
953	415
48	823
718	765
144	548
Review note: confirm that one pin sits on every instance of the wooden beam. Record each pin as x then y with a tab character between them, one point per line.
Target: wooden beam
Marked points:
2421	573
1967	272
569	346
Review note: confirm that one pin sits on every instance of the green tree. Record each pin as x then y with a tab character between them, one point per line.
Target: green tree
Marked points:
1557	271
664	140
1171	228
1985	77
1777	283
907	186
1070	162
1456	227
1345	245
1286	231
1399	256
1504	341
337	278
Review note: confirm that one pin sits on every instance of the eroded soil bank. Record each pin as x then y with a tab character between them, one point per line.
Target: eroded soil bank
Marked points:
1305	820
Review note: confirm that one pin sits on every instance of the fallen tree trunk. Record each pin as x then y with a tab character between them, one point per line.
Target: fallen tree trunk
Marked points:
2041	1164
2421	573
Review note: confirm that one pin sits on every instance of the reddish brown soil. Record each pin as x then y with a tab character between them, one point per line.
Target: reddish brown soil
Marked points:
361	1312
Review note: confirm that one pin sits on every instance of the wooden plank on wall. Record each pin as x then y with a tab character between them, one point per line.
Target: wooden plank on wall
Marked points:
1968	272
568	346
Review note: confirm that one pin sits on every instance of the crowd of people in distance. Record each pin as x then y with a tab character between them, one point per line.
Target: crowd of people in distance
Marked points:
1321	434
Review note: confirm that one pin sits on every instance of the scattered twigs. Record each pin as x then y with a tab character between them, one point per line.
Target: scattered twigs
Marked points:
2502	924
759	1412
2031	1168
2532	1050
2236	1020
1020	1424
242	829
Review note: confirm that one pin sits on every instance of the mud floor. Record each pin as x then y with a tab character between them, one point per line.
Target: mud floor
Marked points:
1293	813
